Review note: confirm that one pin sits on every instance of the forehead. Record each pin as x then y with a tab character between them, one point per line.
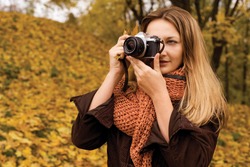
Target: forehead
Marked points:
161	27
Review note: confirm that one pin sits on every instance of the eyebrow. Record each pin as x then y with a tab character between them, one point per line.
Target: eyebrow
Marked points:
172	37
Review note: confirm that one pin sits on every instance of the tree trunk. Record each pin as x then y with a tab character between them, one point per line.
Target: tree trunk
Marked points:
184	4
227	64
245	62
217	52
137	11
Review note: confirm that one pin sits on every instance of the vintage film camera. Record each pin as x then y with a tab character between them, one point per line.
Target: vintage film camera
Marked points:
143	46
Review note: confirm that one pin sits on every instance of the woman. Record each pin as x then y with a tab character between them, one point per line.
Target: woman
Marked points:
166	121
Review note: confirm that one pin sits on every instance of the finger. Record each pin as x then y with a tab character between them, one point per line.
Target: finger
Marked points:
121	55
157	63
138	62
123	37
119	50
120	42
132	62
116	50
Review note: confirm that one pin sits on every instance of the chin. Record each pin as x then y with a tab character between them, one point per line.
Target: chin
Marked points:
166	71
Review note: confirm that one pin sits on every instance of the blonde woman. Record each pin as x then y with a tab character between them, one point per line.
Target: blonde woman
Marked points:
174	116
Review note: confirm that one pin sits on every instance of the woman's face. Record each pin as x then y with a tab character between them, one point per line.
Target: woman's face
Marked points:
171	56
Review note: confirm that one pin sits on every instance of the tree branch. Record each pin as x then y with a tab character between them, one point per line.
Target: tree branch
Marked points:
215	10
212	14
234	8
198	11
138	15
227	7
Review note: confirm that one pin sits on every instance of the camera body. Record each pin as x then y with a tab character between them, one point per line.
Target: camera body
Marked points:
142	46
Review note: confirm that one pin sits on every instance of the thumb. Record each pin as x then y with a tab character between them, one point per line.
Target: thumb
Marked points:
157	63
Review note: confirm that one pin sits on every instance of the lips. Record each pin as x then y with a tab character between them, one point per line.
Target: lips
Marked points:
164	61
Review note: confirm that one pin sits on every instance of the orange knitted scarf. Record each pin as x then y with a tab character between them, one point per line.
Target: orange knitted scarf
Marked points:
134	114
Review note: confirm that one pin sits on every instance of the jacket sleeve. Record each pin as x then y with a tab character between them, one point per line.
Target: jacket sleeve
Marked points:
91	128
189	145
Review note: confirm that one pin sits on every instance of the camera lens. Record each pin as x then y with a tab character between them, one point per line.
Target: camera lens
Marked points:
130	45
134	46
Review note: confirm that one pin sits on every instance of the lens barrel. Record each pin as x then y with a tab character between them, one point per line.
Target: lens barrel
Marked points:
134	46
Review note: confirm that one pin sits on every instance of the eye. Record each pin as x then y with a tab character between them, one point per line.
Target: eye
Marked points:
171	42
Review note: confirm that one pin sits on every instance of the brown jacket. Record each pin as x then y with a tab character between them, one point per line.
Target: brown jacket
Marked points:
189	146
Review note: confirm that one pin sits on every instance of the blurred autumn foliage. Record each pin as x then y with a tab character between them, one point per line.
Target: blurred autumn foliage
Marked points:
233	146
42	64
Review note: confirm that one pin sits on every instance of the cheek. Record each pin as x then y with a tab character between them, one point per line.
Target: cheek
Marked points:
178	57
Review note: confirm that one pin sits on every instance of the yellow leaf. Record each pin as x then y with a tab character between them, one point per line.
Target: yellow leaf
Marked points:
27	151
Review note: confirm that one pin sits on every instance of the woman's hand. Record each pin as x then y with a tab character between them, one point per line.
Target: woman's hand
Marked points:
116	66
153	83
149	80
116	72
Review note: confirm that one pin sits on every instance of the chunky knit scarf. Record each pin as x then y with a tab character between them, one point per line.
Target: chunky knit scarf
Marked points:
134	114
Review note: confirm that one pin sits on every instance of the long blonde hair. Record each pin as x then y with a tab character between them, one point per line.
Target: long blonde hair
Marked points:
203	100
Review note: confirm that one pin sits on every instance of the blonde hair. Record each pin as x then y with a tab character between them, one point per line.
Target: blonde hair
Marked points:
203	100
